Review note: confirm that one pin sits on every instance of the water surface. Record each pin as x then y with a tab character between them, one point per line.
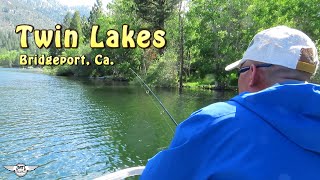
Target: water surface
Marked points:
82	129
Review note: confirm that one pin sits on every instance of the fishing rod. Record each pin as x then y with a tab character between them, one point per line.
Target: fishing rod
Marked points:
164	108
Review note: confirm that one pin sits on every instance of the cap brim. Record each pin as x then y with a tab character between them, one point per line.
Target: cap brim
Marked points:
233	65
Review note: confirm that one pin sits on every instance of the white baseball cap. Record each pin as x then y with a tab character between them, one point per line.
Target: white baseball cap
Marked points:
282	46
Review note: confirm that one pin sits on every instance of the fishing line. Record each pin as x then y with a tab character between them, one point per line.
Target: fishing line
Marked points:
156	105
161	111
148	92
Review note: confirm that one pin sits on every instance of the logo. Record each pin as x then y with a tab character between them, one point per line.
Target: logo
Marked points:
307	55
20	169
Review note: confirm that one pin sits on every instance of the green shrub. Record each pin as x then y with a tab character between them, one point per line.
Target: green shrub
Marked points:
163	72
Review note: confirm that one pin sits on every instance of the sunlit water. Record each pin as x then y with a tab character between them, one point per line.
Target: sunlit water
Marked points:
82	129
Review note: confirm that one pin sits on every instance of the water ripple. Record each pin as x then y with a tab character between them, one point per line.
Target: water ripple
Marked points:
79	129
48	122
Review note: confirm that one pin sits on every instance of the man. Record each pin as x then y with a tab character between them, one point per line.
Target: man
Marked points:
270	131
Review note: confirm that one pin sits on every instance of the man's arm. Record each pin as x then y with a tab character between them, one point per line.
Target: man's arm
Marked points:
196	141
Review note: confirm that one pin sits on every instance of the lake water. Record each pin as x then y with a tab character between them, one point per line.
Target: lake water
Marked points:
82	129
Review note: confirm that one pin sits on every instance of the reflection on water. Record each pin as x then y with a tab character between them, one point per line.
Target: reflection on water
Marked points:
81	129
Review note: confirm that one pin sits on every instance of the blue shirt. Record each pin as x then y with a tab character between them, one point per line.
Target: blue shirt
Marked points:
270	134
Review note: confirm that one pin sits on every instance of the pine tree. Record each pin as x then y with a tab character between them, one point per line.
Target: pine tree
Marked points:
95	13
67	20
86	28
53	51
75	23
155	11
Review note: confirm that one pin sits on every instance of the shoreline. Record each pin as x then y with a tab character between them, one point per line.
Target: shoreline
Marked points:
202	87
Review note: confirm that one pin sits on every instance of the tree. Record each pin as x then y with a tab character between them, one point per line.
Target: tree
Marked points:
75	23
86	29
67	20
121	12
217	38
53	51
181	44
155	12
95	13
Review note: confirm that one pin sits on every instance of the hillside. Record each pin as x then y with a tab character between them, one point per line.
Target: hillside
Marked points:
39	13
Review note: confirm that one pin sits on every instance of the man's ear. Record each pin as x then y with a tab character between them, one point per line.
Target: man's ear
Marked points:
254	77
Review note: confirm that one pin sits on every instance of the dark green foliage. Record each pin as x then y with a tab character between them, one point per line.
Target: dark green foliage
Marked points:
164	72
155	12
67	20
53	51
75	23
9	40
214	34
95	13
218	32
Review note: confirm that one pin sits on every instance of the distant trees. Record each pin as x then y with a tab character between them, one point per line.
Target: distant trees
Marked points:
10	49
67	20
75	23
9	58
95	13
155	12
201	39
9	41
